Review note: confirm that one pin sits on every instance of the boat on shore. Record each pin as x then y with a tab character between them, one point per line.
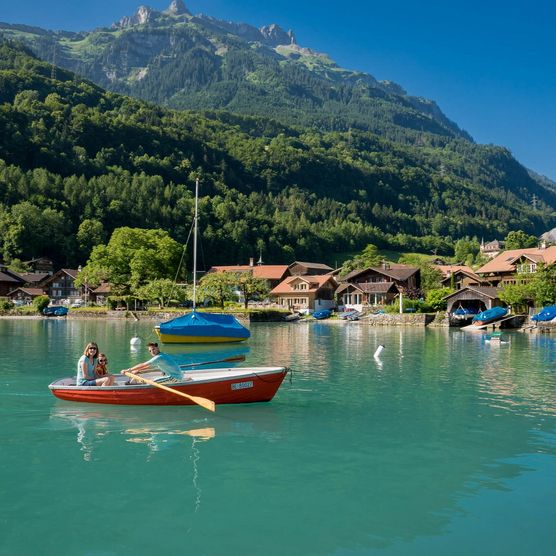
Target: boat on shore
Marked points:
546	315
322	314
462	316
222	386
490	315
55	311
292	317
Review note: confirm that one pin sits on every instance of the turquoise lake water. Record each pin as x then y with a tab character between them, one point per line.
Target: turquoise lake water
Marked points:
445	445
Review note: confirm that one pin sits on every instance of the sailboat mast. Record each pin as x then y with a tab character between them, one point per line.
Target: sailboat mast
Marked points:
195	243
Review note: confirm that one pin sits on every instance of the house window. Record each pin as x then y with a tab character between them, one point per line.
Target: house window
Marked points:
527	268
300	286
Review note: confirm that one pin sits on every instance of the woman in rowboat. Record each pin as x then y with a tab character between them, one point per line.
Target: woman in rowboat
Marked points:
87	368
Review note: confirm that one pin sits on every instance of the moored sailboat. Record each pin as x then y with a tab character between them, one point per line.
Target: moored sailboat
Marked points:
201	327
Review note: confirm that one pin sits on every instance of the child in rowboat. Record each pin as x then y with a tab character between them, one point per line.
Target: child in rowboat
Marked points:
87	368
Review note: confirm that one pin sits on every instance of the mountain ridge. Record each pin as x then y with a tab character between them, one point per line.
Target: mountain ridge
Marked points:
187	61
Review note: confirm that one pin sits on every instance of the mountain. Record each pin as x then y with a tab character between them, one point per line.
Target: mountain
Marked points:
76	162
187	61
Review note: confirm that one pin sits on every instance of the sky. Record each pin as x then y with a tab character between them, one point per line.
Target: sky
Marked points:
489	65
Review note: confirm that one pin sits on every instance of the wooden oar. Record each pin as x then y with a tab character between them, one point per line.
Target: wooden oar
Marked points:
203	402
227	360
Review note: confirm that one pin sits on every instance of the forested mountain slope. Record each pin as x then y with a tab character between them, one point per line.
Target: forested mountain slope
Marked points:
77	162
198	62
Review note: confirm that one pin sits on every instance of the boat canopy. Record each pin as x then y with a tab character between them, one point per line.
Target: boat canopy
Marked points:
205	325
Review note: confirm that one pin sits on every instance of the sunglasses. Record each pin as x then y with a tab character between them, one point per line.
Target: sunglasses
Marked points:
103	361
94	349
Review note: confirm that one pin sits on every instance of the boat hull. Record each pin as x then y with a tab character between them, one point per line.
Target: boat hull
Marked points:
223	386
202	328
188	339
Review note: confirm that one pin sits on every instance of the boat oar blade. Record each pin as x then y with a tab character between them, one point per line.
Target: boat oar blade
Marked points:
203	402
227	360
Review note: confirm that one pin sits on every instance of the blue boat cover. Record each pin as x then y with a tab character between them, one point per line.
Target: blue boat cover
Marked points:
205	325
463	311
548	313
490	314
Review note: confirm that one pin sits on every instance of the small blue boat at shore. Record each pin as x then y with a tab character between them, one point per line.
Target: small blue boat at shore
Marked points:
322	314
55	311
547	314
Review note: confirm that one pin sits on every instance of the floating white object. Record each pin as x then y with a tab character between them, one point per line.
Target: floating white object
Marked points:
135	341
379	350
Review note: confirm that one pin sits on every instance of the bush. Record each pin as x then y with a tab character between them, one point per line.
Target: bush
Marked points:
6	305
41	302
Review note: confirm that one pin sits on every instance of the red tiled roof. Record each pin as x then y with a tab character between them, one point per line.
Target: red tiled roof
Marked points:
505	261
315	283
449	269
266	271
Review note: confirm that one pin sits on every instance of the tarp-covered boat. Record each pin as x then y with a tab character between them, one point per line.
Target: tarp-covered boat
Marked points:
199	327
55	311
547	314
322	314
490	315
223	386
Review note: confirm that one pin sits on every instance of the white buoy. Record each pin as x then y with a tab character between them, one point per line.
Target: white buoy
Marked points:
135	341
379	350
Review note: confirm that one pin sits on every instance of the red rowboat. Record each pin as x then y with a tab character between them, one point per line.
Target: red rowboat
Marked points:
223	386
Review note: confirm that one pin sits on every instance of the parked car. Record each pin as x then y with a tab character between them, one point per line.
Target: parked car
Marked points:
77	303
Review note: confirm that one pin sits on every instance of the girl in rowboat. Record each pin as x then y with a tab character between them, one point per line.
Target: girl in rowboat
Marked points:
87	368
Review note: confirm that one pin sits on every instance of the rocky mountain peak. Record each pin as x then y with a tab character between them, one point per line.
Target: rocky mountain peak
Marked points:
177	7
275	35
143	15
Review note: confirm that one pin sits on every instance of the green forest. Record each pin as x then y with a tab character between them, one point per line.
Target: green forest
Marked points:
77	162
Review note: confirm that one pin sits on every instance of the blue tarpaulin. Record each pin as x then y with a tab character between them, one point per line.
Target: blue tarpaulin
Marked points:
205	325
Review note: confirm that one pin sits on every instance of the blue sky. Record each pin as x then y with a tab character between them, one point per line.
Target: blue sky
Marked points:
490	65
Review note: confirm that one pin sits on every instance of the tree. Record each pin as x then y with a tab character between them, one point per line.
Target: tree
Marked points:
41	302
368	257
251	287
466	250
89	234
430	277
132	258
520	240
162	290
516	295
435	298
543	285
217	286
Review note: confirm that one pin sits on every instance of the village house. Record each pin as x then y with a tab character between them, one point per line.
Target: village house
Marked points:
375	286
314	293
514	265
491	249
40	264
273	274
60	286
309	269
25	295
459	276
9	281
